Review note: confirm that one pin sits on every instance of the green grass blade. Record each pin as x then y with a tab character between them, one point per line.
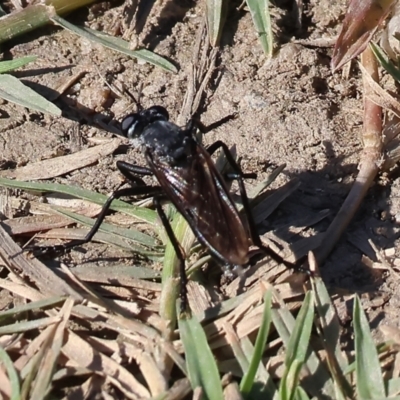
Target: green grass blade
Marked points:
300	338
36	305
143	214
26	326
387	64
13	90
301	394
296	349
130	234
236	347
330	331
263	386
116	270
289	382
170	273
284	323
369	381
12	374
248	378
392	386
201	366
259	10
11	65
117	44
109	239
216	16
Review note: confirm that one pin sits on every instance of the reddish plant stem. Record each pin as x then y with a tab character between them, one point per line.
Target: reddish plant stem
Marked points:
369	163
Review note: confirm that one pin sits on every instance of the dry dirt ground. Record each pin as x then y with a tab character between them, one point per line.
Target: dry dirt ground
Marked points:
291	110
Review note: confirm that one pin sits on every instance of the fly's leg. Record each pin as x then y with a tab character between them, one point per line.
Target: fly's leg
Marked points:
135	191
131	172
239	176
194	123
128	170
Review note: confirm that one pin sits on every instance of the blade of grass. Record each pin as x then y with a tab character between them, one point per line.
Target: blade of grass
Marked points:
330	331
128	271
300	338
265	204
129	234
201	365
12	374
143	214
284	323
392	387
103	237
27	325
31	368
263	386
13	90
259	10
44	278
248	378
296	349
35	16
44	378
170	273
59	166
385	62
236	346
117	44
66	6
301	394
10	65
289	382
369	381
36	305
216	16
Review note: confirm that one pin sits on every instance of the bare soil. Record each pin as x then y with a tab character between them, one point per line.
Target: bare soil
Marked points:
291	110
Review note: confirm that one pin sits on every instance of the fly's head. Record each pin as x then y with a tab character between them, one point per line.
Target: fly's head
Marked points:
133	125
158	137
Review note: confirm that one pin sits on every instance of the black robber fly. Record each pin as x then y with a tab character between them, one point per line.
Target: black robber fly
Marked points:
188	178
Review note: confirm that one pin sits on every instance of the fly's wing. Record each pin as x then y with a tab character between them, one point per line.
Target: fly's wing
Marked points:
200	195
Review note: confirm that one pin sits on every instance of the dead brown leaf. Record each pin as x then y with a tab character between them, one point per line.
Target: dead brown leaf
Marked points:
63	165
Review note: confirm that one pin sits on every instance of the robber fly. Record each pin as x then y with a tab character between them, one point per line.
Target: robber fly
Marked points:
188	178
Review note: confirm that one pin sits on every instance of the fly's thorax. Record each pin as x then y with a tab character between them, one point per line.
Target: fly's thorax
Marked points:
167	142
136	143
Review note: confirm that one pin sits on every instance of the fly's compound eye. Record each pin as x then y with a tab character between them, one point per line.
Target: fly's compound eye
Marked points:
132	126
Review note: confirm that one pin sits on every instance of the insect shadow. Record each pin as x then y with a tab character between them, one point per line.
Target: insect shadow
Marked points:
188	177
